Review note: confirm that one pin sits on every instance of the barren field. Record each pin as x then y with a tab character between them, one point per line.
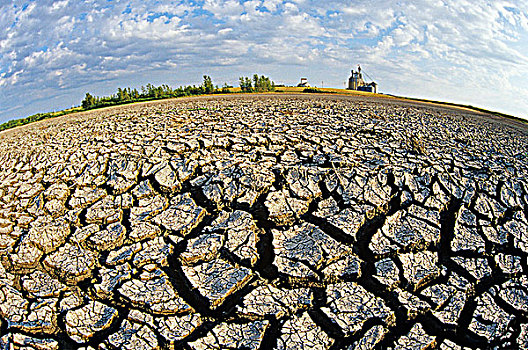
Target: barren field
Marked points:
265	221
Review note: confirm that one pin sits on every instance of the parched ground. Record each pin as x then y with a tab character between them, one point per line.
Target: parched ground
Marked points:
272	222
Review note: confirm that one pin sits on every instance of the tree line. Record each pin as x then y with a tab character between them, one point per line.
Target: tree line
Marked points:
259	84
151	92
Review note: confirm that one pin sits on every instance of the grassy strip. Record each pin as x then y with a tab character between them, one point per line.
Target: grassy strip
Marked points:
315	91
36	117
105	104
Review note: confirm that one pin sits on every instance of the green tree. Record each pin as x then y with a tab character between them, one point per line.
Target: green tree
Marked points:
122	94
266	84
207	85
262	83
88	101
245	84
150	90
249	88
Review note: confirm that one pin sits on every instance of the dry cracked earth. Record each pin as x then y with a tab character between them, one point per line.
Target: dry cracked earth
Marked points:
285	222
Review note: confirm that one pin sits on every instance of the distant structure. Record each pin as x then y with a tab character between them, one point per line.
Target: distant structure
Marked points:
303	83
356	82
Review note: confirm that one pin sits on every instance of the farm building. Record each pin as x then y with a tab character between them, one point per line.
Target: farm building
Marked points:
303	83
356	82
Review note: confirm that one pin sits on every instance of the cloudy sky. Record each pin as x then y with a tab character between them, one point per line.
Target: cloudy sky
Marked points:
465	51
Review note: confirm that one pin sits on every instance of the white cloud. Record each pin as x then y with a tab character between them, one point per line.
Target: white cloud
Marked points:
271	5
221	9
59	5
225	31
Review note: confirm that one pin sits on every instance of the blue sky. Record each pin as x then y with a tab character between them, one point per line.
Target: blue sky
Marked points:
470	52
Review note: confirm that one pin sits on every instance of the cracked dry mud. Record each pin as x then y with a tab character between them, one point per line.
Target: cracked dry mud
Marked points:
285	222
